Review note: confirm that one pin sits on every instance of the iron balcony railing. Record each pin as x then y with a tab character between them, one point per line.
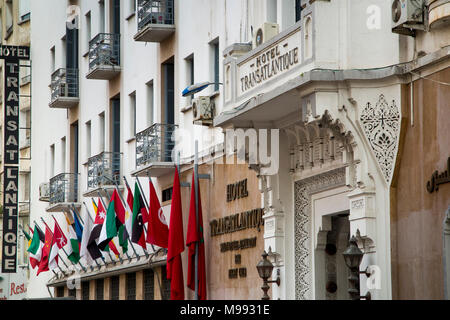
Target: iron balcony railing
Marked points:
104	169
155	144
64	83
104	50
155	12
64	188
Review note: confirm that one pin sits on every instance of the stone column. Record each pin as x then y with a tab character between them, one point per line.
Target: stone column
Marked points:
92	287
140	285
123	286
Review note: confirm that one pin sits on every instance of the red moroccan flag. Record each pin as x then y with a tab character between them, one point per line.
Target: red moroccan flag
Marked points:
158	231
176	244
195	236
43	265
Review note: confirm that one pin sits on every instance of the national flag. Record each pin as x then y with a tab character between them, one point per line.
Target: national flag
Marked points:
100	215
137	234
176	244
195	238
27	236
35	248
92	246
78	227
43	264
73	252
129	211
85	253
113	224
59	241
158	230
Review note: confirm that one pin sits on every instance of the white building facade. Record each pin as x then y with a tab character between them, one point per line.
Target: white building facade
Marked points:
326	77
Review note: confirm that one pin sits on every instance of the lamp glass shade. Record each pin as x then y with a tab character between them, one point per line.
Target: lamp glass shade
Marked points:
264	267
353	255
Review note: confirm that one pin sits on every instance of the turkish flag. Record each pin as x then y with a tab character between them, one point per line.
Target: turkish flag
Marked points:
176	244
195	237
43	265
158	230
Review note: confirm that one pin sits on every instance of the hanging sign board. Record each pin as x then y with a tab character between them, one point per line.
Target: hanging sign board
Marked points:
11	55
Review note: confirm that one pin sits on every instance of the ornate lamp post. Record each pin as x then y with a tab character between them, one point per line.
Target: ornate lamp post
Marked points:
353	257
265	268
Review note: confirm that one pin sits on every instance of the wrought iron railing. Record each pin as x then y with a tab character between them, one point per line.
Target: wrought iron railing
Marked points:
155	12
64	83
64	188
104	50
104	169
155	144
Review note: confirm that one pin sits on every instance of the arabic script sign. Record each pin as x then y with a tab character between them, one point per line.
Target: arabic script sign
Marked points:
437	179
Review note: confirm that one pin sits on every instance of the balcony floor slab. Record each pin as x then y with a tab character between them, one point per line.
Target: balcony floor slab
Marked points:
62	206
104	72
155	32
64	102
105	191
154	169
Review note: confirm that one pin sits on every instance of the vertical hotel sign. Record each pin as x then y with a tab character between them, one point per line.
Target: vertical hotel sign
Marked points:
12	55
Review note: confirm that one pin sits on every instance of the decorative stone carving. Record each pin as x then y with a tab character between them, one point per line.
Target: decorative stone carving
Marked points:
381	125
303	191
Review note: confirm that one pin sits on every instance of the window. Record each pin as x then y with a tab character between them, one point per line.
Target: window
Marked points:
9	19
115	288
298	10
149	284
63	154
99	284
52	161
88	29
131	286
60	292
52	60
85	290
215	63
167	194
101	20
165	284
133	114
190	73
150	104
24	10
88	139
73	293
1	26
102	131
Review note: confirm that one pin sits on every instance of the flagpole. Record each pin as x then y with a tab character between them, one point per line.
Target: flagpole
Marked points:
89	214
196	215
145	229
79	217
50	248
82	267
105	206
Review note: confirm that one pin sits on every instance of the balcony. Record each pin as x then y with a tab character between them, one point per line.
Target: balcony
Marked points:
104	56
103	174
64	88
63	192
154	148
156	20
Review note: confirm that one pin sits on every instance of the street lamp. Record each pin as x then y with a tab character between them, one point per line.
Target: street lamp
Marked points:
353	257
197	87
265	268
